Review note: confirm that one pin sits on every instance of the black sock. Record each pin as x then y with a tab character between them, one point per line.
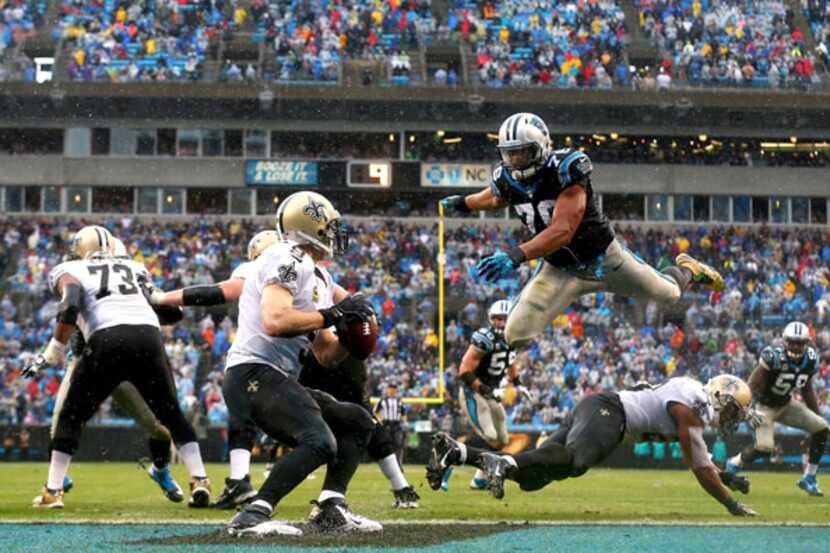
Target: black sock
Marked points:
817	443
750	454
340	471
160	452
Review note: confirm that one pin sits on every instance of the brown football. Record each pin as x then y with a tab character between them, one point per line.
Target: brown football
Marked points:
361	338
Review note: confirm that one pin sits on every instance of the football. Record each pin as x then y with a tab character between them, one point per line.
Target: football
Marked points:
360	337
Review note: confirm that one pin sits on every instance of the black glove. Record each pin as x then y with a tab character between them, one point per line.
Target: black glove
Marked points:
735	482
455	204
739	509
485	391
354	307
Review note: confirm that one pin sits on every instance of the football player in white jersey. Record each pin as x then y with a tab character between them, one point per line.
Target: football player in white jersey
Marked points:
128	398
679	408
346	382
277	313
101	295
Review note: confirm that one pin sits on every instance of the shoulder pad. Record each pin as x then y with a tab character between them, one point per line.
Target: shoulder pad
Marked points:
483	340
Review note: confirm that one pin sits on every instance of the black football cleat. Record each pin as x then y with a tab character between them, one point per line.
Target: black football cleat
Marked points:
445	453
406	498
495	467
236	493
334	516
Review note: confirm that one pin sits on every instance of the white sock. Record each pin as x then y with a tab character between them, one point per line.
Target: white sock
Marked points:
328	494
192	458
58	467
263	503
479	475
240	463
811	469
737	461
392	471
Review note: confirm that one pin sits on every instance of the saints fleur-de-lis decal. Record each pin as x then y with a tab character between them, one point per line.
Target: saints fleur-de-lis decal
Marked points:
316	211
287	273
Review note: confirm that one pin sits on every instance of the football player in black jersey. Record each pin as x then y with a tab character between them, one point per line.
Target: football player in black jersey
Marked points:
482	368
551	191
780	372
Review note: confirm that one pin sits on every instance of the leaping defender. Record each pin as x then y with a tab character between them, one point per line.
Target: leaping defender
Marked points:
780	372
551	192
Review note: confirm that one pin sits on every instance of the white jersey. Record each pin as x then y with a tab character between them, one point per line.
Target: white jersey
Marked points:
286	265
242	270
646	411
110	296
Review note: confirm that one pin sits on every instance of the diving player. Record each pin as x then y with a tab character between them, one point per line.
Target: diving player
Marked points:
680	407
551	191
780	372
101	295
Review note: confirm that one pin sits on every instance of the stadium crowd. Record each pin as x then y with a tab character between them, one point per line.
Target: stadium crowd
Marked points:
730	43
603	343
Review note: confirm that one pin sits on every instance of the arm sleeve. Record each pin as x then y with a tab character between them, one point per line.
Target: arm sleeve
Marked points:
482	341
281	268
575	169
241	271
55	275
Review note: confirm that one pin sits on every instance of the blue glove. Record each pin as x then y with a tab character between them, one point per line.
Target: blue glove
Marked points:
498	265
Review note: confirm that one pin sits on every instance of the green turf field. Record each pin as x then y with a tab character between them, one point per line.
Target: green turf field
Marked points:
606	510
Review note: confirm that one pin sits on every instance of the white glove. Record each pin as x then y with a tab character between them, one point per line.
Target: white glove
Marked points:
498	393
754	418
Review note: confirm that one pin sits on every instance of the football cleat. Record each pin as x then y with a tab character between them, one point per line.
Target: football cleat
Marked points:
701	272
495	467
810	485
255	520
406	498
164	478
478	484
734	482
334	516
68	484
730	467
199	493
48	499
236	493
445	453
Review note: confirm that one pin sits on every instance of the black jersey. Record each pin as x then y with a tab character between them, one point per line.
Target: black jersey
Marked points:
785	376
497	356
535	199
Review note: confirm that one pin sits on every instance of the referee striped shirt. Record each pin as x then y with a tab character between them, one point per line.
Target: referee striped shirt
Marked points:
390	409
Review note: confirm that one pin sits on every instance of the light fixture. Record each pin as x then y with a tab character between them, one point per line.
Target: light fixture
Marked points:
702	137
614	136
439	133
391	137
793	139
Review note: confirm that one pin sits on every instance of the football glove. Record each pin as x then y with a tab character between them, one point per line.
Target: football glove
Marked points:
498	394
153	294
735	482
353	307
51	356
455	204
739	509
500	264
524	392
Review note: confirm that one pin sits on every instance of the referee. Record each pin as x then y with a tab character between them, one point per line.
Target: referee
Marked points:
389	411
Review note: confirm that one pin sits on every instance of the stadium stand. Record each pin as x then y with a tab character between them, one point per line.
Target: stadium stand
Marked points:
19	22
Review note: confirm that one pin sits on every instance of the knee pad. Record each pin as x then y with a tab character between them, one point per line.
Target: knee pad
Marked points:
322	443
161	434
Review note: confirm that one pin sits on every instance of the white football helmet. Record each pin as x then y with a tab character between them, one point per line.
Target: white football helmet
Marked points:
524	144
730	398
499	309
260	242
796	338
90	240
309	218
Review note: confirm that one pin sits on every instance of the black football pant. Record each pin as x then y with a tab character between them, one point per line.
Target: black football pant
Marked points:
132	353
260	395
590	434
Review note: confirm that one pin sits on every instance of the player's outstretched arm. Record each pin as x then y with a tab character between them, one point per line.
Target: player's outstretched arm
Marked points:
69	290
227	291
697	458
279	318
483	200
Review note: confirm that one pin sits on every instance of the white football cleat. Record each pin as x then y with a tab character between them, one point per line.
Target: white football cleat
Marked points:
334	516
